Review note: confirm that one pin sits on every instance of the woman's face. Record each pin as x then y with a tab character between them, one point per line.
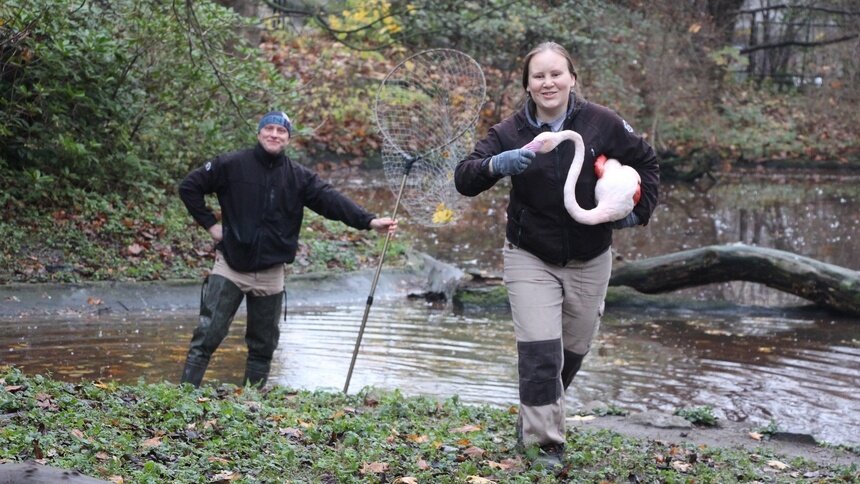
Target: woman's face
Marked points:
550	83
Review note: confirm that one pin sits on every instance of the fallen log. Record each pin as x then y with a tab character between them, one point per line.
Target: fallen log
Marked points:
827	285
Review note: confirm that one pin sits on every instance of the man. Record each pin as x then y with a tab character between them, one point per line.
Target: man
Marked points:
262	194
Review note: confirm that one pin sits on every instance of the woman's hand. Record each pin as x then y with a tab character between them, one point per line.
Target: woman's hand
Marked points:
511	162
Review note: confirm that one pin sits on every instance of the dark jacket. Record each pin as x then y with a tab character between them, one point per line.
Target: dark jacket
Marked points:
262	199
537	219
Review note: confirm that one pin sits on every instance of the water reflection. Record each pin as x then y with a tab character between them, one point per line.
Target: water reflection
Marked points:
800	373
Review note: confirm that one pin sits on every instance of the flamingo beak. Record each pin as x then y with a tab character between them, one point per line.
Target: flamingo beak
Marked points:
534	145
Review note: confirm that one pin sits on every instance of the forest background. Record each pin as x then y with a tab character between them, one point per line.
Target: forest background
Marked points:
105	106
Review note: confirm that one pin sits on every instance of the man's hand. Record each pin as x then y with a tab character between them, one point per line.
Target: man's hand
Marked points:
384	225
511	162
216	232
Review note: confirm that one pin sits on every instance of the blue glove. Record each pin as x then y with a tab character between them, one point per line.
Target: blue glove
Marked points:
630	220
512	162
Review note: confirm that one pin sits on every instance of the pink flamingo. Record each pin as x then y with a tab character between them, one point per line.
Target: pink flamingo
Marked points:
617	190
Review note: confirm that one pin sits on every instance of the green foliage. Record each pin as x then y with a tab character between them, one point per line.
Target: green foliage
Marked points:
115	96
499	33
168	433
698	415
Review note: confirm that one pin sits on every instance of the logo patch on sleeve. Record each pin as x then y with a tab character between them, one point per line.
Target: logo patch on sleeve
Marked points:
627	126
208	165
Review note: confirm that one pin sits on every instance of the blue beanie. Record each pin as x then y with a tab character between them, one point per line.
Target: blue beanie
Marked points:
276	117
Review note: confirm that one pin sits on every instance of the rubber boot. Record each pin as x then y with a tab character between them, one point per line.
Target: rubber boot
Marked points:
218	304
572	364
262	337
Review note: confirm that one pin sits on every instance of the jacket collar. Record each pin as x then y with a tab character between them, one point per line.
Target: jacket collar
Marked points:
525	117
267	159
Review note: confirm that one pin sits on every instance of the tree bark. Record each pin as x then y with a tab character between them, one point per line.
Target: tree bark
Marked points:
830	286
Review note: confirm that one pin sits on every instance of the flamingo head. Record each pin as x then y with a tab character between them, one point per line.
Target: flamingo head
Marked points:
545	142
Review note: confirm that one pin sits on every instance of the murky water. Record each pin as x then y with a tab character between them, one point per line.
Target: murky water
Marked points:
802	373
798	369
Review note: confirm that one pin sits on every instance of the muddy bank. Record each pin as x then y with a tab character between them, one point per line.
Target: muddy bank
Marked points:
729	435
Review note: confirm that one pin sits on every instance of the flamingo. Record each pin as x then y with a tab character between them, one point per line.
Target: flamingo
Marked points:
617	190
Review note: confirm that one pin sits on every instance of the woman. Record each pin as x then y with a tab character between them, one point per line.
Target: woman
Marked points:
556	270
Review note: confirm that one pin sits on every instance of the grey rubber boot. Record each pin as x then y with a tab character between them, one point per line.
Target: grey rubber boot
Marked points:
572	364
218	304
262	337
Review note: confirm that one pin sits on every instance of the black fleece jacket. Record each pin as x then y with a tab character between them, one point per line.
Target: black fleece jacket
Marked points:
537	219
262	199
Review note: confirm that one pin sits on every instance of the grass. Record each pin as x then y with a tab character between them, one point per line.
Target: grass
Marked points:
161	432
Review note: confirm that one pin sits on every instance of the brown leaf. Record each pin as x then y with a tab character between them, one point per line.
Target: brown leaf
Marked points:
467	428
116	479
478	480
778	464
94	301
374	468
681	466
506	464
225	476
418	439
422	464
13	388
755	435
153	442
406	480
135	249
292	433
102	456
474	452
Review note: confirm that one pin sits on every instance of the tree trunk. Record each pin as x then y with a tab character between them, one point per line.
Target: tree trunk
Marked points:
827	285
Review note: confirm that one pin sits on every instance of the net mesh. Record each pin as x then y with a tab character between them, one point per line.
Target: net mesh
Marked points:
426	109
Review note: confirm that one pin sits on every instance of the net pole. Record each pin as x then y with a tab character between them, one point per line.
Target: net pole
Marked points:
376	278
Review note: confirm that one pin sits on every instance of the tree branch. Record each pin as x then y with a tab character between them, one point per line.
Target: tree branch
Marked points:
798	7
797	43
827	285
195	26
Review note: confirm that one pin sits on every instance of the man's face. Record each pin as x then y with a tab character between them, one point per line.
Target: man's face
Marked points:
274	138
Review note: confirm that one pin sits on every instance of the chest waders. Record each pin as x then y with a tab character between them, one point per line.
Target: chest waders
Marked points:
220	299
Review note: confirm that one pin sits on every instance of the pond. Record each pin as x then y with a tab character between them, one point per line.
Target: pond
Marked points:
756	359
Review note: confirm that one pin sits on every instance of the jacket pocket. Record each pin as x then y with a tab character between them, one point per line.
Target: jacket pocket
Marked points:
241	253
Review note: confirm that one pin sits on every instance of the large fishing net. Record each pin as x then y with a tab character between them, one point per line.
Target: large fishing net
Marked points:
426	109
